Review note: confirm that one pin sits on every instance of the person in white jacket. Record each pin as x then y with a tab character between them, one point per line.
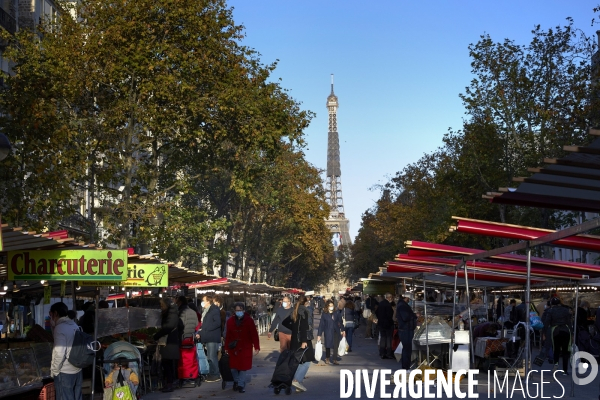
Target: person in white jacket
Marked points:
67	378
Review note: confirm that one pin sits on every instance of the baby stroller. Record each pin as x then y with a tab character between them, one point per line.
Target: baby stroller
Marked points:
120	352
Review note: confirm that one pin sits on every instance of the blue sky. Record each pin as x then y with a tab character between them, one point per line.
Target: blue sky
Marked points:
399	67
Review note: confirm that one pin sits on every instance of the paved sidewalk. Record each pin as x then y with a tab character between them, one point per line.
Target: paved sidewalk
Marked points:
323	381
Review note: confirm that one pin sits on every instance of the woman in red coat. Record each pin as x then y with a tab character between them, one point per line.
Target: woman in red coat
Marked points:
241	337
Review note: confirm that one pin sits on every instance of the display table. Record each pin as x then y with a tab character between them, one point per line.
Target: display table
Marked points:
22	369
484	346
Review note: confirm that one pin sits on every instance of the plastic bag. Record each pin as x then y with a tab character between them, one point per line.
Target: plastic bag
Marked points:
318	351
398	352
535	321
342	347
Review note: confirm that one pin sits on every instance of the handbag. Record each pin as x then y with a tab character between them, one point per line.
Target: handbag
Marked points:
276	335
121	390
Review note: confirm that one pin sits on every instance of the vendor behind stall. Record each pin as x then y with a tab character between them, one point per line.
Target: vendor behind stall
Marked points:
487	329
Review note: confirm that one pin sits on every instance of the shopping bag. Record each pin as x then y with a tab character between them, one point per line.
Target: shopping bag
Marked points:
318	351
398	352
342	347
203	366
121	390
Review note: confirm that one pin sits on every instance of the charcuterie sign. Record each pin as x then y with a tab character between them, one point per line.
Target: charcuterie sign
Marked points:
139	275
79	265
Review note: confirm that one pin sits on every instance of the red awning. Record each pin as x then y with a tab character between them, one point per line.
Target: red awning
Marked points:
496	229
424	249
545	272
492	277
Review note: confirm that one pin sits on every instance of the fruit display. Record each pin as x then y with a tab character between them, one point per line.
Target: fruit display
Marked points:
8	375
43	356
25	365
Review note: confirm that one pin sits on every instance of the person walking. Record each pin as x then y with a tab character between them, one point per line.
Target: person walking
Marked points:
330	326
67	377
407	323
385	323
220	302
210	336
281	313
558	324
169	340
189	319
348	320
299	324
240	339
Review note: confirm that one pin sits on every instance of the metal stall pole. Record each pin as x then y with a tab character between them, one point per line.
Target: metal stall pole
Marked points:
485	301
196	297
426	322
469	312
574	346
74	293
453	315
501	301
95	341
527	305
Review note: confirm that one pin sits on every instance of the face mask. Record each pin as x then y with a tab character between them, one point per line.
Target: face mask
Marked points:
330	308
284	304
239	314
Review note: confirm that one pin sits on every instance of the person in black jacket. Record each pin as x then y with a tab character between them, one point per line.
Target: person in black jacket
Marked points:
558	324
385	322
169	340
407	323
298	323
210	336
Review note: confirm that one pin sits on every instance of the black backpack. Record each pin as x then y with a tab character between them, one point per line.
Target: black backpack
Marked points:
83	350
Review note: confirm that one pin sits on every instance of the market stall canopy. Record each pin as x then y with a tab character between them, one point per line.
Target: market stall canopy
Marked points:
431	276
425	249
567	183
16	239
239	285
500	276
518	232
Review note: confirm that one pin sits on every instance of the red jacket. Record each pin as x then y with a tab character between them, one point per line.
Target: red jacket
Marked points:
240	357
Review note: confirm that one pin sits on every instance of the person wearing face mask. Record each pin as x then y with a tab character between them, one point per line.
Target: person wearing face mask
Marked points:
219	302
332	327
67	377
285	334
240	339
210	336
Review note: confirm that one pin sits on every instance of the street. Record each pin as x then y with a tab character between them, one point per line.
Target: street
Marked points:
323	381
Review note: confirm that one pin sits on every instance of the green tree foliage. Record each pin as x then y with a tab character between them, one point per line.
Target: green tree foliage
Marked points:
522	106
159	108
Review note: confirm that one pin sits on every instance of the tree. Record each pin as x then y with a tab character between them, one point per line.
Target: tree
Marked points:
523	105
156	107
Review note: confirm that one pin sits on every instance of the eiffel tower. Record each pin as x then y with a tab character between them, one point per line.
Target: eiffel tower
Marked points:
337	222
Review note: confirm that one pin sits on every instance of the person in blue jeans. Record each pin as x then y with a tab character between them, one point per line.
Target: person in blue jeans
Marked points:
210	336
67	377
348	318
298	323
